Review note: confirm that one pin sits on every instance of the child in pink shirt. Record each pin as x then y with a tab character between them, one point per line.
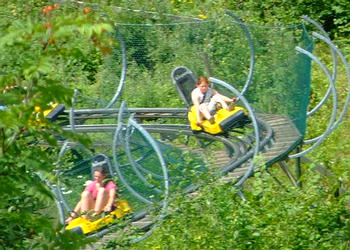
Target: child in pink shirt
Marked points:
98	196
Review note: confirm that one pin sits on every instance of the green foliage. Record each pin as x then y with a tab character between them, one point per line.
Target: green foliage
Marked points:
38	50
270	218
312	217
333	15
43	56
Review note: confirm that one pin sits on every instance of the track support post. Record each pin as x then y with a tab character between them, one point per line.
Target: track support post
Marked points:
298	170
289	174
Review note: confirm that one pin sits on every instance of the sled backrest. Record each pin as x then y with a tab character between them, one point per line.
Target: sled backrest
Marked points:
185	81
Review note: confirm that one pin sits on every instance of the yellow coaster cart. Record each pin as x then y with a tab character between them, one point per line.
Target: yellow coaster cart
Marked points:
84	226
185	81
50	114
224	120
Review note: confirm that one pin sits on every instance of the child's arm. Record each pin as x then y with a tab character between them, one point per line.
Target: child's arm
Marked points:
195	98
74	213
195	101
111	199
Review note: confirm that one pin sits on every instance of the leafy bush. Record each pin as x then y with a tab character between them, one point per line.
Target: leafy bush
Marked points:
39	45
271	218
45	52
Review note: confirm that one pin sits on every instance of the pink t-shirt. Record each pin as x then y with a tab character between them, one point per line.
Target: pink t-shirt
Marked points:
93	189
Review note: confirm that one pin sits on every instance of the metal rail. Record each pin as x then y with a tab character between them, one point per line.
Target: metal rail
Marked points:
184	129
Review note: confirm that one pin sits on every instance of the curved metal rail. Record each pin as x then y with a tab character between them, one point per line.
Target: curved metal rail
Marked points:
269	125
274	137
251	47
278	137
333	122
123	73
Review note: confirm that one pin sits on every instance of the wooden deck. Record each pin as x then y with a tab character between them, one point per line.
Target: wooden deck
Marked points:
285	138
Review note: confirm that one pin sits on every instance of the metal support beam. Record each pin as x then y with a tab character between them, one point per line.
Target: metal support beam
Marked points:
276	179
286	170
298	171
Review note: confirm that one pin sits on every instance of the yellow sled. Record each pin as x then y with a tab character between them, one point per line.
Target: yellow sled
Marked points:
50	114
224	120
85	226
185	81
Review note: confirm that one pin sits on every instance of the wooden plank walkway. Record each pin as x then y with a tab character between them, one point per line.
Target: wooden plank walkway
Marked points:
286	138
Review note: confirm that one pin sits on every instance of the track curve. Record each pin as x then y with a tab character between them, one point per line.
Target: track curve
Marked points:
278	137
